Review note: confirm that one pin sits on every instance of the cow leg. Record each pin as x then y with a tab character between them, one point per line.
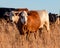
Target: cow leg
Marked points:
47	26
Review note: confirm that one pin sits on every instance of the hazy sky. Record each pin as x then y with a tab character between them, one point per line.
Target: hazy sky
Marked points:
50	5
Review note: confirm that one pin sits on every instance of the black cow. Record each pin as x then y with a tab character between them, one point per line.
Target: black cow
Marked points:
4	11
53	17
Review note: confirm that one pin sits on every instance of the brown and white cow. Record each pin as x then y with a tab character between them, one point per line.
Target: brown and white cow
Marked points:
32	20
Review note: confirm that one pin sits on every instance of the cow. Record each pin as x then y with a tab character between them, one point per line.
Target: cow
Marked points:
4	12
32	20
53	18
15	14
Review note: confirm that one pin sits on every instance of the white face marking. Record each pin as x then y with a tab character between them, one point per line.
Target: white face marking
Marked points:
24	17
14	17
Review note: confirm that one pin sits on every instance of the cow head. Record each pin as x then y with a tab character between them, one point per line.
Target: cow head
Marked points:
13	16
23	15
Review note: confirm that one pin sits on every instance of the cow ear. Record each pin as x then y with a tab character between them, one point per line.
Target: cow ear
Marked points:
19	14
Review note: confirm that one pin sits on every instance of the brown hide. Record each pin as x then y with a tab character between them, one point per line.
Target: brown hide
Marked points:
33	23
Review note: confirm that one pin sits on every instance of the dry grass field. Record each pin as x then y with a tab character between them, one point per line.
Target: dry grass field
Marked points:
10	37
